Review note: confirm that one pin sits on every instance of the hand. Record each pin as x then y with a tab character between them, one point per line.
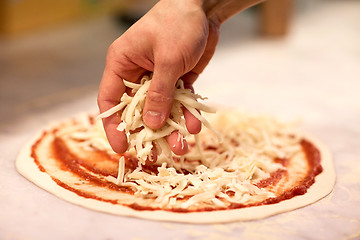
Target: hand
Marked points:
175	39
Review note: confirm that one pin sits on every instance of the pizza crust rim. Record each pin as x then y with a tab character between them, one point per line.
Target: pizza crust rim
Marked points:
323	186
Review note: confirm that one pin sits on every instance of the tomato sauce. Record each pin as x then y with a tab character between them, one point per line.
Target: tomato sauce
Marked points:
69	162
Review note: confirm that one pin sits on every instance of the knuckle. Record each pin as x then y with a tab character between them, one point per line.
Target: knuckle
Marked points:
170	60
157	97
111	50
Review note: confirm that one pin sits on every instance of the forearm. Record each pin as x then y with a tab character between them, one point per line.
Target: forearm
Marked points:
221	10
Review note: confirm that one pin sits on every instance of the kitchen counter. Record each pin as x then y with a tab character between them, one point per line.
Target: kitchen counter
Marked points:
312	75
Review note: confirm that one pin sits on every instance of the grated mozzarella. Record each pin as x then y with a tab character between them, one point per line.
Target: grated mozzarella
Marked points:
142	138
245	155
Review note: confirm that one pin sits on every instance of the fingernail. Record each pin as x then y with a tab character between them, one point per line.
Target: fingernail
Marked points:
153	119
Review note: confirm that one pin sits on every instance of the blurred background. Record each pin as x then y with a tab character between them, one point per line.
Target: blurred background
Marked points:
52	52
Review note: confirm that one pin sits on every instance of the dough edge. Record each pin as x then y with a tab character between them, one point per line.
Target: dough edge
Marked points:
323	186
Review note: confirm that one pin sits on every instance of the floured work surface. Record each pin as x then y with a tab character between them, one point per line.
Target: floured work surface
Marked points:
261	168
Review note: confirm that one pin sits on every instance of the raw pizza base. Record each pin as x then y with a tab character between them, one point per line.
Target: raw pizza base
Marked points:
324	183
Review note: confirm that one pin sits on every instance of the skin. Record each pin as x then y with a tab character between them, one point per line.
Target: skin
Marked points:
175	39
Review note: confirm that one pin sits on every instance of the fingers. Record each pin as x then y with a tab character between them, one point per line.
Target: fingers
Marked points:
117	139
177	144
110	91
193	125
159	99
118	67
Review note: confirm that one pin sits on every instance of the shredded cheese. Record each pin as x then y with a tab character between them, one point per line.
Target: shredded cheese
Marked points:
142	138
213	172
121	171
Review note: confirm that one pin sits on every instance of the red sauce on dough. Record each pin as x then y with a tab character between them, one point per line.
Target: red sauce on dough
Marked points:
314	160
273	179
33	153
70	162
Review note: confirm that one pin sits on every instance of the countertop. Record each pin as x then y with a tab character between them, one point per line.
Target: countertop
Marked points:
312	75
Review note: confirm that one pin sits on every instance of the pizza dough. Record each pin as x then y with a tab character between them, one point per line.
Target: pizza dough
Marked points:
87	170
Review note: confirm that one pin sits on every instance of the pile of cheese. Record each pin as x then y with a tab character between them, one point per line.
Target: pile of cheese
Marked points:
143	138
206	176
213	172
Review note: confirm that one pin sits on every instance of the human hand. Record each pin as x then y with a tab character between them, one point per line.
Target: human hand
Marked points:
175	39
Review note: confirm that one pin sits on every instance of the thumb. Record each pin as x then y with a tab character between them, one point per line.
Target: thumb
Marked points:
159	99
